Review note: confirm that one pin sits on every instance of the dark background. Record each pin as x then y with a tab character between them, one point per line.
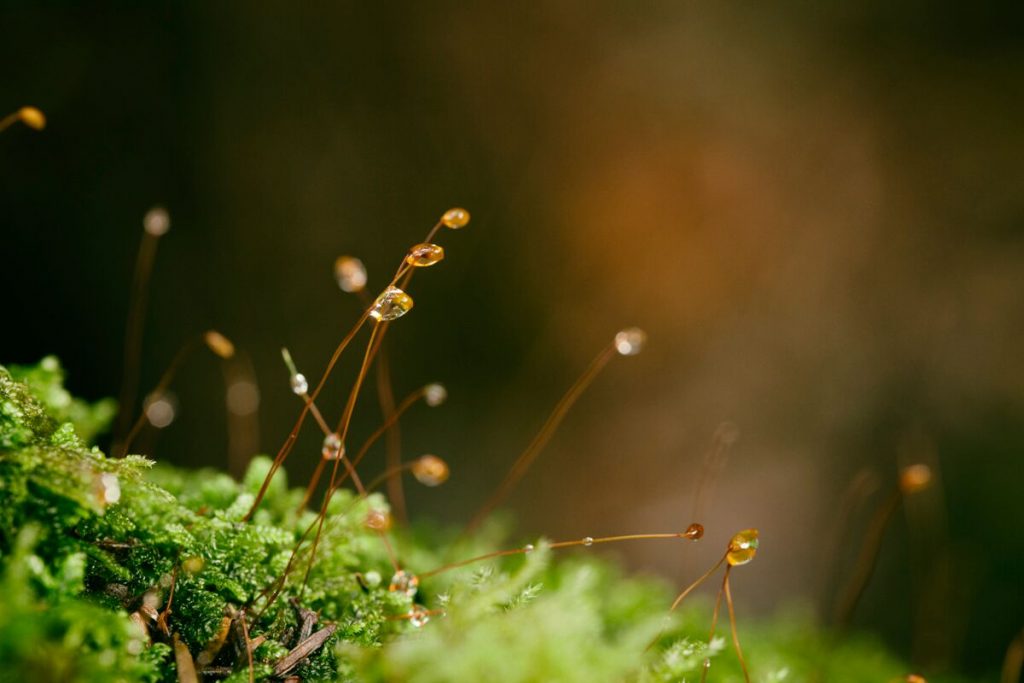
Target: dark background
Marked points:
816	212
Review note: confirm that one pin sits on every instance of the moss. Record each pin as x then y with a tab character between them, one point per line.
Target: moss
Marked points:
86	567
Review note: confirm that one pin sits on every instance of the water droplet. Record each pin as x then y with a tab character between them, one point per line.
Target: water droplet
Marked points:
219	344
694	532
528	548
111	488
32	117
742	547
378	520
423	255
350	273
404	582
630	341
915	478
299	384
332	448
588	541
435	394
156	221
455	218
161	410
418	617
392	304
430	470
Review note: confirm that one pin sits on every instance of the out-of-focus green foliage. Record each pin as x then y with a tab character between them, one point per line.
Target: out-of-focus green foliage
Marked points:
90	548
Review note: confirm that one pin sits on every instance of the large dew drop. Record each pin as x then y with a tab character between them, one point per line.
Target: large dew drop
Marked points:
742	547
630	341
392	304
455	218
423	255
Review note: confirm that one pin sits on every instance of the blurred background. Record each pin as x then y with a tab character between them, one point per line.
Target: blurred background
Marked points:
814	211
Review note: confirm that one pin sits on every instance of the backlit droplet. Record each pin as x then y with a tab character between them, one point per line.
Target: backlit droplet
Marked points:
423	255
630	341
299	384
392	304
435	394
588	541
32	117
694	532
332	448
110	488
156	221
219	344
455	218
742	547
528	548
161	410
915	478
418	617
350	273
378	520
404	582
430	470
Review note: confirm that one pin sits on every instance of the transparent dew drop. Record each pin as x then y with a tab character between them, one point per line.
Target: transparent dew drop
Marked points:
332	448
528	548
424	255
588	541
405	583
350	274
430	470
161	410
219	344
694	532
435	394
418	617
299	384
32	117
378	520
157	221
392	304
742	547
630	341
455	218
915	478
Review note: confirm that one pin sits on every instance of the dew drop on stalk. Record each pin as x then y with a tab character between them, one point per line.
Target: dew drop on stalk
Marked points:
404	582
157	221
455	218
742	547
694	532
350	274
630	341
392	304
299	384
435	394
378	520
588	541
528	548
332	448
424	255
430	470
219	344
418	617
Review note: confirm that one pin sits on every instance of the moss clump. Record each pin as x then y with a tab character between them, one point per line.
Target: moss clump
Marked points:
91	547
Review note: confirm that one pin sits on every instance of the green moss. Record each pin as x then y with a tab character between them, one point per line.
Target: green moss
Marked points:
76	563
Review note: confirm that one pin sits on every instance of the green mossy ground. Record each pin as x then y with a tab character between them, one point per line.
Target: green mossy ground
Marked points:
74	567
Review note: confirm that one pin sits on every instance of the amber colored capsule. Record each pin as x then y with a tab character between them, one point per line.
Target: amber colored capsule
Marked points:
219	344
332	448
430	470
426	254
915	478
378	520
742	547
392	304
350	274
455	218
694	532
32	117
157	221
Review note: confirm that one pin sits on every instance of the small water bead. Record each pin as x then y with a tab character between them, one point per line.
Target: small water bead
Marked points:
219	344
392	304
528	548
299	384
157	221
332	448
742	547
630	341
378	520
418	617
424	255
350	274
404	582
694	532
588	541
32	117
435	394
455	218
915	478
430	470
